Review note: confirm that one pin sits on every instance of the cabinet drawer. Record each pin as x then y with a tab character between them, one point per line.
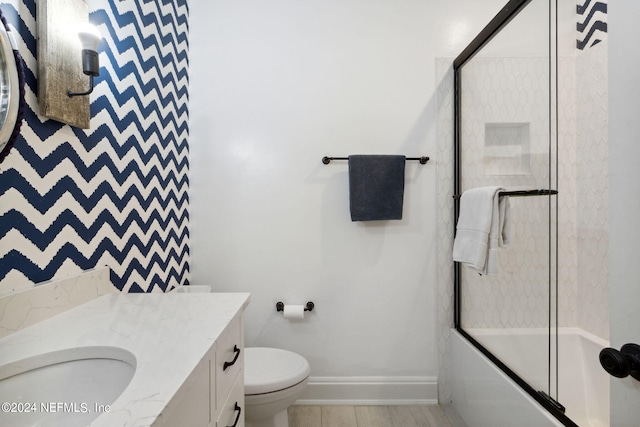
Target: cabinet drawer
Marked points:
229	359
232	413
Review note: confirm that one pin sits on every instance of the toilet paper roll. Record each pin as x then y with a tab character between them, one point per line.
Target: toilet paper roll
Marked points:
293	311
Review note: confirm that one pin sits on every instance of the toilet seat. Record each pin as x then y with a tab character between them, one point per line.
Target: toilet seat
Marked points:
268	370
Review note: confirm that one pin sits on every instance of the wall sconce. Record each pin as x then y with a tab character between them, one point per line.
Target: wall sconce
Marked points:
59	55
89	37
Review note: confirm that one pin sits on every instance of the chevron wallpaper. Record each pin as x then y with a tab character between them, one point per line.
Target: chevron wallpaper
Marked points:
115	194
592	23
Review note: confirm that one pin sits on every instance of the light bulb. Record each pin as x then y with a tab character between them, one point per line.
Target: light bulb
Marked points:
89	37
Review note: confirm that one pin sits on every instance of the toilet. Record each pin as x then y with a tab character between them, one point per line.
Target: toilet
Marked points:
273	380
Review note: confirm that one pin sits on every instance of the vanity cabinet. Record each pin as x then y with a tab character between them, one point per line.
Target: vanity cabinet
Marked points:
232	412
190	405
227	379
213	395
187	350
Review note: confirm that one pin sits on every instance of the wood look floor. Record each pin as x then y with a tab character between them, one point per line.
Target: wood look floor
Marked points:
368	416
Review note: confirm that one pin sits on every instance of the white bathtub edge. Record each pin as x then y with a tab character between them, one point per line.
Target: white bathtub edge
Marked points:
484	396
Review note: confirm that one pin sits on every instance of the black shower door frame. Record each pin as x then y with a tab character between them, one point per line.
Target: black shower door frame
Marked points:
506	14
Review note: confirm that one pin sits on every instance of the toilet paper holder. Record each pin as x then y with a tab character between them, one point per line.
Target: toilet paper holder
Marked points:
308	307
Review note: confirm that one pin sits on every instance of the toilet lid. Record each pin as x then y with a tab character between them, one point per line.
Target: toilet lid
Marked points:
272	369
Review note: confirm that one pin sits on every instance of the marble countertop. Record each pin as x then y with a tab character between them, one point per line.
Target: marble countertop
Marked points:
168	334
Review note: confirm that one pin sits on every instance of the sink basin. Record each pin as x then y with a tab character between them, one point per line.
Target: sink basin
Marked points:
64	388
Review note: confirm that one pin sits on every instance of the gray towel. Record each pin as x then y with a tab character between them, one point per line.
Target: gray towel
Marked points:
376	187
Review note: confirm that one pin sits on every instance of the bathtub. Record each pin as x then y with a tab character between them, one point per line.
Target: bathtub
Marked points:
485	396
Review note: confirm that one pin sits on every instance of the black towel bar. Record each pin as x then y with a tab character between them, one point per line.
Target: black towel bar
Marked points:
522	193
326	160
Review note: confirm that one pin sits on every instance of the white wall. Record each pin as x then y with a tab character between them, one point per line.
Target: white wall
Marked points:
624	199
274	88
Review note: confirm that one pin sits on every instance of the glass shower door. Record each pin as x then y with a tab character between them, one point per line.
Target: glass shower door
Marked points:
507	137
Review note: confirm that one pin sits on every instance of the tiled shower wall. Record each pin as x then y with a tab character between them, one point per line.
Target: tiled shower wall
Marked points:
117	193
444	218
509	92
518	296
592	189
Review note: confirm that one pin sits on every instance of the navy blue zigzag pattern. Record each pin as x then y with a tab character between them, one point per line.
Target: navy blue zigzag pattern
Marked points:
597	7
68	218
590	25
163	183
19	261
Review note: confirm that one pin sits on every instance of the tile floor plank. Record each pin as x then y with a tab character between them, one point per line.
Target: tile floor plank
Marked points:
436	416
373	416
409	416
452	416
339	416
305	416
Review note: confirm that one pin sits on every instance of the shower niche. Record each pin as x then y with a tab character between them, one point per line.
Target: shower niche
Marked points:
507	149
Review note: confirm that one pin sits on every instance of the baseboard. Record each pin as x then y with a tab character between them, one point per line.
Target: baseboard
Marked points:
370	391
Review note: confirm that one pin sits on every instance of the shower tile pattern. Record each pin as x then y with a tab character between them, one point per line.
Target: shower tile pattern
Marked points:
444	215
509	90
592	218
514	299
518	296
567	198
116	194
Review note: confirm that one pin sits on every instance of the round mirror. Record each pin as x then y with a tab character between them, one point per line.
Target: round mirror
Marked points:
11	90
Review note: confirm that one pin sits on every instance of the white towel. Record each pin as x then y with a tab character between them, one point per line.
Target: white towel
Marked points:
483	226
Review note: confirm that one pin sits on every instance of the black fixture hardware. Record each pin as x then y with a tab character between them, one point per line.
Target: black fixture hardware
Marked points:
522	193
560	407
280	306
622	363
506	14
326	160
236	350
71	94
89	37
239	409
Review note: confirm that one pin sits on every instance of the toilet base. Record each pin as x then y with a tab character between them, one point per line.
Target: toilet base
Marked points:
281	419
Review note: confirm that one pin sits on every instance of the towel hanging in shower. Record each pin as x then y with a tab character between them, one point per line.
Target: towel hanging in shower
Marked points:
483	227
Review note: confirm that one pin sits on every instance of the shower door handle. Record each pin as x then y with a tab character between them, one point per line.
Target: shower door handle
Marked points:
622	363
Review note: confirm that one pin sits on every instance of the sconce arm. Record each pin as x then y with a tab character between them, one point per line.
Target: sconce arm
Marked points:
71	94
